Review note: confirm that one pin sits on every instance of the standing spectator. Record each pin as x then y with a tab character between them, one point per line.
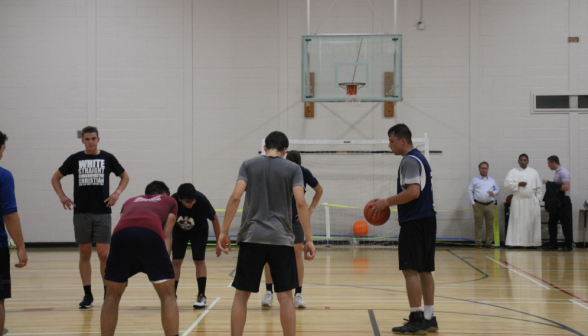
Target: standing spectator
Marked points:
11	219
563	213
524	227
92	203
482	191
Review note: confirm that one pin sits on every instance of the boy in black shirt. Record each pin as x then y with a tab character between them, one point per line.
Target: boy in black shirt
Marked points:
92	203
194	211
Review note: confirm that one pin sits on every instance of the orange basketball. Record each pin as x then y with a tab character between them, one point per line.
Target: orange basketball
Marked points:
380	219
360	228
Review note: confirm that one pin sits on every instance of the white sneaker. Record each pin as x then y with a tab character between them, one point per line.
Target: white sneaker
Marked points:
299	301
200	302
268	299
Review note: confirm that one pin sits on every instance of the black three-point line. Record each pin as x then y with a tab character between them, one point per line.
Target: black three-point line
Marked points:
374	323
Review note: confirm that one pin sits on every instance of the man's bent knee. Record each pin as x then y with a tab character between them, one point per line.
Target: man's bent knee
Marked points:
115	289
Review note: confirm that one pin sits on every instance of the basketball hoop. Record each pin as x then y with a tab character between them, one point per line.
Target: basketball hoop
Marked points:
353	92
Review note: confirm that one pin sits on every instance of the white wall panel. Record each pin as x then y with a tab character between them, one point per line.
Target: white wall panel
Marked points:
243	81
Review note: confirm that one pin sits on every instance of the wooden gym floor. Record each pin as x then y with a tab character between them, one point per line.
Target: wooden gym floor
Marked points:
349	291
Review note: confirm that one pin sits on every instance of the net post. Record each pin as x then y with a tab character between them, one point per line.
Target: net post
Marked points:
327	223
426	147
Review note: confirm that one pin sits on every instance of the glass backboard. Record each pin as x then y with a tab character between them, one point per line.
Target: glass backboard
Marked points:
331	60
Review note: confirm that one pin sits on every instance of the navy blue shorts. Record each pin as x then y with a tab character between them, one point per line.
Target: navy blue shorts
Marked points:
134	250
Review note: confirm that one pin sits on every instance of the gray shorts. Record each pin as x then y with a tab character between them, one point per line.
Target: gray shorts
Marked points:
92	228
298	232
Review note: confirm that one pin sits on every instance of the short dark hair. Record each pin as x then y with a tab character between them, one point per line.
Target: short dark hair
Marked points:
156	188
553	158
3	138
483	162
186	191
401	131
525	155
294	156
89	129
277	140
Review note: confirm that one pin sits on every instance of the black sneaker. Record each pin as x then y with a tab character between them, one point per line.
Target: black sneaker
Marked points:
566	249
87	302
432	324
549	248
415	325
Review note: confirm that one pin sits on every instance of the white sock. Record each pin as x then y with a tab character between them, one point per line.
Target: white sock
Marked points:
428	312
415	309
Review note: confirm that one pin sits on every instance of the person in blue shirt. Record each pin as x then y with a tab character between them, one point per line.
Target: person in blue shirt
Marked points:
418	229
482	191
311	181
11	222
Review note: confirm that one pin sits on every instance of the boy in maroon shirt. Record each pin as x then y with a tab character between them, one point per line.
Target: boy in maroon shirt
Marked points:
141	242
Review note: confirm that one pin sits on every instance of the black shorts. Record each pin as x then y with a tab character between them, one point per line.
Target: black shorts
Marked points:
298	232
5	287
416	245
197	238
134	250
253	257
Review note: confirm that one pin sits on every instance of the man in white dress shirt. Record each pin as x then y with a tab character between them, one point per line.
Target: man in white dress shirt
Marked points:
482	191
524	226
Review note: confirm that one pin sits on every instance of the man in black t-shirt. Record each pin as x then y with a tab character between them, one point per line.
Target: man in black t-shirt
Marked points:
194	211
310	180
92	203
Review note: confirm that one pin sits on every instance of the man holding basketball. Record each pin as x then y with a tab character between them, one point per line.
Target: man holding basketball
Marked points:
418	228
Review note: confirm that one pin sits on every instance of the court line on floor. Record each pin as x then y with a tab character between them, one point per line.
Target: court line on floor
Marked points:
517	272
485	275
579	304
374	323
201	317
554	324
547	282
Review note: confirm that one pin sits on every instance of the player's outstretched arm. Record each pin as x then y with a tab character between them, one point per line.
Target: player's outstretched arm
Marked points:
230	212
304	218
168	229
122	185
12	222
56	183
318	193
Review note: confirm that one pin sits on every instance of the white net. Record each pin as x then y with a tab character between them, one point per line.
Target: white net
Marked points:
352	172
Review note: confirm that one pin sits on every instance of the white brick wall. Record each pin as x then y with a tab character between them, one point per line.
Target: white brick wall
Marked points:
139	91
42	104
245	62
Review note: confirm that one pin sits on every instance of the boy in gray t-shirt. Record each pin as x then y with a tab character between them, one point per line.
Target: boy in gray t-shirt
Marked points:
266	234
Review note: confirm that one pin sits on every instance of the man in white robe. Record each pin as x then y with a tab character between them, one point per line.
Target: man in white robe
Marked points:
524	225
